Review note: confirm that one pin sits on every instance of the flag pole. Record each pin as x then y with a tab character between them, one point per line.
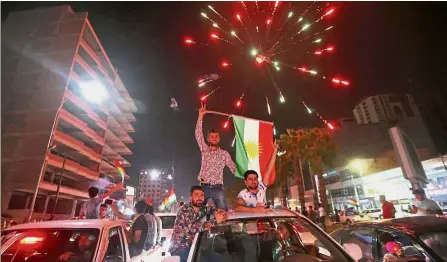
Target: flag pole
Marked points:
229	115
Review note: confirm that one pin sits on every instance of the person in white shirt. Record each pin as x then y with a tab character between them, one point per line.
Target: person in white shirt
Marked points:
321	215
423	206
252	198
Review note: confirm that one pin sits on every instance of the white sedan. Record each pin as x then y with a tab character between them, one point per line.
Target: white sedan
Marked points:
280	235
77	240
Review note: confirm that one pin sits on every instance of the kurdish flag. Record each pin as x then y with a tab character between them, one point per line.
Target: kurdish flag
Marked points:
169	199
253	145
120	170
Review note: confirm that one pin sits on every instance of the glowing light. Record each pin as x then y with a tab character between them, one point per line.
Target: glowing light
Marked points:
274	131
233	33
204	97
268	22
260	59
214	36
282	99
234	141
257	29
309	110
313	72
276	4
317	40
202	84
329	28
275	63
305	27
155	174
318	52
238	16
302	69
254	52
330	126
215	25
336	80
346	83
277	68
210	7
226	124
300	19
329	12
239	103
330	48
31	240
189	41
204	15
94	91
290	14
225	64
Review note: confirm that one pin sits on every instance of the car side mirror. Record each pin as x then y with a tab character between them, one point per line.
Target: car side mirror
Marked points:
354	250
171	259
114	259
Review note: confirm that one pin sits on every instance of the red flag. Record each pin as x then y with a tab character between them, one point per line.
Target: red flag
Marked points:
149	201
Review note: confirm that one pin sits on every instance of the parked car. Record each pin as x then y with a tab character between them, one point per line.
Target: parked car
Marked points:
167	226
423	238
280	235
46	241
374	213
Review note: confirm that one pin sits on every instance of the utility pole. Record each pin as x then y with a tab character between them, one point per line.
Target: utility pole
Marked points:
59	187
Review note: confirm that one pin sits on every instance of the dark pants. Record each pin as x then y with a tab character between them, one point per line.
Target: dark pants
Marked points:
322	222
182	253
215	192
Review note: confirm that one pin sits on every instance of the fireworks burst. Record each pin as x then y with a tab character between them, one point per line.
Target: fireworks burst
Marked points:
271	34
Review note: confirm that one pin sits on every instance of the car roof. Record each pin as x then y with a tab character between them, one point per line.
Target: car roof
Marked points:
165	214
83	223
233	215
417	224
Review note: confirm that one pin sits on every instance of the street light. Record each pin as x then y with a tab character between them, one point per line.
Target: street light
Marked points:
357	165
169	177
155	174
93	91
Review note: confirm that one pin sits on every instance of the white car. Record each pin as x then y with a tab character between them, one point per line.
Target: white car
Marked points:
280	235
167	226
47	241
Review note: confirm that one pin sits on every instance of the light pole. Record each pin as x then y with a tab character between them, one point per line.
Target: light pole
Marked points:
357	165
93	91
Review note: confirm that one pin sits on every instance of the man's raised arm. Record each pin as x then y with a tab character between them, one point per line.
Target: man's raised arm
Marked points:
199	130
268	179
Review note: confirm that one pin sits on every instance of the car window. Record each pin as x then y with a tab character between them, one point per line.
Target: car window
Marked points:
363	238
267	239
167	222
115	246
398	245
49	244
437	242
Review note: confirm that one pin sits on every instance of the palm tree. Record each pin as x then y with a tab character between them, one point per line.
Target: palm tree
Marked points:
289	143
315	146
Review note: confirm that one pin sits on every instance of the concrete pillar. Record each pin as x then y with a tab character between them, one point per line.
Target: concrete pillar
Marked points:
45	206
73	209
27	201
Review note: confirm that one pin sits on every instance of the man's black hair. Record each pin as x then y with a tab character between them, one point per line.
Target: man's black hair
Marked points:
193	188
250	172
93	192
213	131
150	210
103	205
141	206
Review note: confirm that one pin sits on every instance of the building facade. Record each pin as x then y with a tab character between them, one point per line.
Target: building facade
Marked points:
155	184
388	108
47	119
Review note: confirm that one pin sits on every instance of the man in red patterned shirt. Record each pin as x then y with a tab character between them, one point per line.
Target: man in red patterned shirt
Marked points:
214	160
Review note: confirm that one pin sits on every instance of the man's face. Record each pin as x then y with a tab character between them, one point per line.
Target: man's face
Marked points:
84	242
213	139
102	211
197	198
419	197
252	181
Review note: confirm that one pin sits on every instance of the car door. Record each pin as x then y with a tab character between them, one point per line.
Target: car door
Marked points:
363	240
115	251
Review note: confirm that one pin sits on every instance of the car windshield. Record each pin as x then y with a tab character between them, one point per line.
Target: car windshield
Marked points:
437	242
267	239
167	222
38	245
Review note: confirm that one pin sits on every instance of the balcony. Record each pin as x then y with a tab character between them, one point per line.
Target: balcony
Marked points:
68	121
72	169
77	145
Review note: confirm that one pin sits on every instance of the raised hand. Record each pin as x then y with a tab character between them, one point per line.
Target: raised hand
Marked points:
202	111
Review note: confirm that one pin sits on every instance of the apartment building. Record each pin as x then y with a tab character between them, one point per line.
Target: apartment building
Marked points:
64	108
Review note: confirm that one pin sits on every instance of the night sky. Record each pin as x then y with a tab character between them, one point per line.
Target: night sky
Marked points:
381	47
